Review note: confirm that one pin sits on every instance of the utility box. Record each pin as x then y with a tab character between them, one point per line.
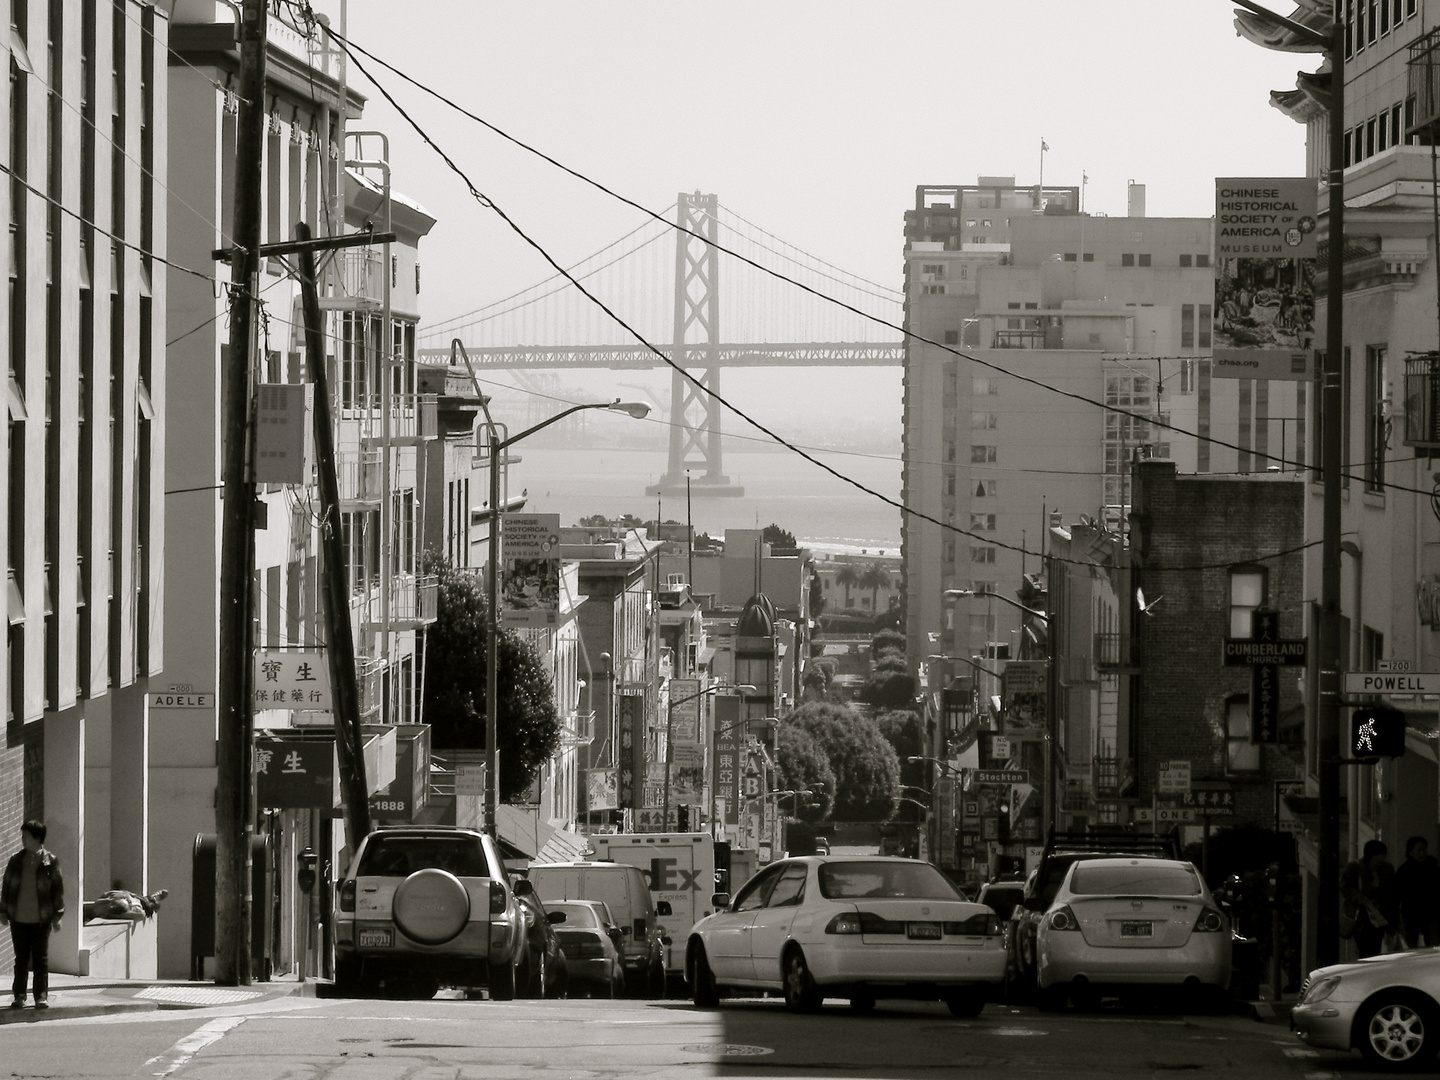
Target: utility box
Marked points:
284	434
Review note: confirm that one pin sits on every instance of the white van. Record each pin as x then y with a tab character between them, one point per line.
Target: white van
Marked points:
624	888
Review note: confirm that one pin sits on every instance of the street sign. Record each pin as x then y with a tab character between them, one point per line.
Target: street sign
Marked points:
1002	776
1174	777
1392	682
1163	814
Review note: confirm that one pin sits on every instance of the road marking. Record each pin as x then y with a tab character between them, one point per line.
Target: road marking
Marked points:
193	1043
1300	1052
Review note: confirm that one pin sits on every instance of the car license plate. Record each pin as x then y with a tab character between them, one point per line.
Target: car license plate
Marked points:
377	939
1136	929
928	931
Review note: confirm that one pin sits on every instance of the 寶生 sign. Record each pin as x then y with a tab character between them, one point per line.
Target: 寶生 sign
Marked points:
293	679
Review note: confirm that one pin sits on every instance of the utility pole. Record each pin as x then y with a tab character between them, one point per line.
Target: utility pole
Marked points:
234	806
339	641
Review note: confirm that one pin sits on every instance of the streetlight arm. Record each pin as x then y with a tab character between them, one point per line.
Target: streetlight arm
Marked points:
634	408
953	594
972	663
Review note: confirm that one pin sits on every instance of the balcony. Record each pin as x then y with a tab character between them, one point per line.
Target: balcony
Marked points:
1115	653
578	730
1111	776
360	478
414	418
1422	401
413	603
359	279
1423	77
370	676
1018	339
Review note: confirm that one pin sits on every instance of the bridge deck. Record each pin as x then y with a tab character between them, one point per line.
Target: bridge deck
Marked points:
806	354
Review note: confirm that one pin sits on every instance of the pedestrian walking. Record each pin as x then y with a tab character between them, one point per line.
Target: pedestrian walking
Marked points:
1370	904
32	901
1417	880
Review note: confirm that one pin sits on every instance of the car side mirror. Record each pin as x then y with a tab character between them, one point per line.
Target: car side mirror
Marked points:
662	908
615	934
720	900
523	887
666	939
1035	903
556	916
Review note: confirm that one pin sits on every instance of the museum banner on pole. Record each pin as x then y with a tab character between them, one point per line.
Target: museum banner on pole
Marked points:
1265	254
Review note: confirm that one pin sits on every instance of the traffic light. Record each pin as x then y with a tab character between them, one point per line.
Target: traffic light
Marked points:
1377	732
682	818
1002	822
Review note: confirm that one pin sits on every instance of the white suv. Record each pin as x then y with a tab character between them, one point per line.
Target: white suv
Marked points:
423	907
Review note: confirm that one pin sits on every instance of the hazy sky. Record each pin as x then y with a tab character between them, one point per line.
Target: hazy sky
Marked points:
814	120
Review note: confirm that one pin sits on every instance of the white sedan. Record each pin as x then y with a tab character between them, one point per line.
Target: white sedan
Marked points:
1124	922
858	927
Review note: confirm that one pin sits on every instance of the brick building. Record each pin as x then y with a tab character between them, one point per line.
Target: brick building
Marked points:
1190	707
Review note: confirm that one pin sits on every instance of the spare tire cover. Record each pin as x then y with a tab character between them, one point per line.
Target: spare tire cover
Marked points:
431	906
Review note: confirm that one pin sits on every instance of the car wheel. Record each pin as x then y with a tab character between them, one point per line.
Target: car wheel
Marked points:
965	1003
1396	1030
704	992
862	1003
1050	999
801	993
503	977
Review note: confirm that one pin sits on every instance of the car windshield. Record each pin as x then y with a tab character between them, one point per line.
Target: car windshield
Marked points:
577	915
401	856
851	880
1135	880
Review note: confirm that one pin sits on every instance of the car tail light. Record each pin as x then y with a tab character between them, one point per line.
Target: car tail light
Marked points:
347	895
1062	918
1210	921
497	898
847	922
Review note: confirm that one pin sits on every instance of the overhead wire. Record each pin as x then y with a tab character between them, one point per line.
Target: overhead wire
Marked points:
1148	419
491	205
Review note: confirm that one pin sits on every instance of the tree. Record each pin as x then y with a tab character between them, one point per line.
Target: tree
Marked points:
849	577
887	641
777	537
802	765
888	689
454	691
866	769
875	577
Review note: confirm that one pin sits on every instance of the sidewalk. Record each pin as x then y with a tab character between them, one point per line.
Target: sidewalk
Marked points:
74	996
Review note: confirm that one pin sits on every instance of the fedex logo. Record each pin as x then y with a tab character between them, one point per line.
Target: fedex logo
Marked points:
665	875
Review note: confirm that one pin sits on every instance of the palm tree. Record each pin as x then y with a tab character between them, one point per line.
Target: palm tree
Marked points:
875	578
848	576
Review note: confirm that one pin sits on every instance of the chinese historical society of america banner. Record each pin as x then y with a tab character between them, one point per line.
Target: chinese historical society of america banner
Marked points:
1265	250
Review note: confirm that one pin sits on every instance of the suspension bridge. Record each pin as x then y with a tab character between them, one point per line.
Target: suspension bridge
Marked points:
670	294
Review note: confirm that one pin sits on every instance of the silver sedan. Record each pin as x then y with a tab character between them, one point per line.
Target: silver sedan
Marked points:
1387	1007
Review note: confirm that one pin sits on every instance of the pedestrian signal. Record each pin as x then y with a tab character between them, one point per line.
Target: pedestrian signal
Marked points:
1377	732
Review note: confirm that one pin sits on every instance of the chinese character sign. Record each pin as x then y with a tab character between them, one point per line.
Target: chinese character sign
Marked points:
685	699
291	679
293	774
530	595
728	737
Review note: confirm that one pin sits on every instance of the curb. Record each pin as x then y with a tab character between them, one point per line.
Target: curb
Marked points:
77	1000
60	1011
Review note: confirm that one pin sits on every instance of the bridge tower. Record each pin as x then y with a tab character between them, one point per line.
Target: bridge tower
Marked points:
694	411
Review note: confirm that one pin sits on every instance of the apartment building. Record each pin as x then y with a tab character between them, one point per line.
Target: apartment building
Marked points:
1039	369
85	319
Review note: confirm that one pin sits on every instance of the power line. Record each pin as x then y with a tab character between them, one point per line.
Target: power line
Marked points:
490	204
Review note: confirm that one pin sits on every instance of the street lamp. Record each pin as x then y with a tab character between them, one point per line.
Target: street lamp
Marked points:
742	688
955	594
497	445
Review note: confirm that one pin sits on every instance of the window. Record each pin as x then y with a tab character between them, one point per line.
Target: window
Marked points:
933	290
1145	258
982	522
1206	325
1069	256
1241	755
977	239
1184	260
935	270
984	385
983	588
1029	306
1202	260
1187	326
1248	585
984	489
984	421
1014	305
982	455
952	337
790	889
982	555
1089	256
1127	260
1377	423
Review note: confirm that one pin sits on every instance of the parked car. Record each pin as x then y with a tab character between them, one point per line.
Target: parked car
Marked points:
624	888
422	907
1122	923
857	927
592	942
1001	897
822	845
546	972
1062	850
1387	1007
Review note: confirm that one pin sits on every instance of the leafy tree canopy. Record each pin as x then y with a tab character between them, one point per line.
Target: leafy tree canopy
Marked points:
454	691
802	765
624	521
775	536
866	769
887	641
888	689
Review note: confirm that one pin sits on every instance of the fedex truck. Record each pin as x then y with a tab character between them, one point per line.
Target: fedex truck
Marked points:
680	869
